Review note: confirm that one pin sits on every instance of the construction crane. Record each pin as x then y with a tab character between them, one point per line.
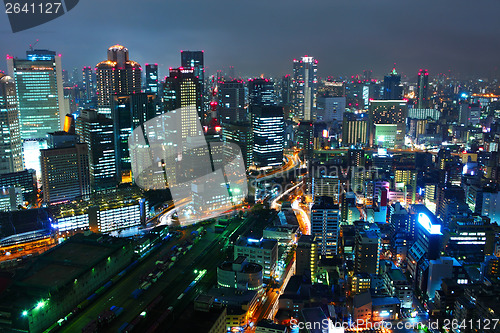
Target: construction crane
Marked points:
32	45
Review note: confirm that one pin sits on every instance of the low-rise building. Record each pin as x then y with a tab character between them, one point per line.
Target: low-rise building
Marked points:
371	309
259	251
284	234
360	283
105	213
240	274
60	279
398	286
206	316
267	327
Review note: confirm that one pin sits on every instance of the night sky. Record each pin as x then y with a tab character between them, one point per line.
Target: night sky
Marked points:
263	36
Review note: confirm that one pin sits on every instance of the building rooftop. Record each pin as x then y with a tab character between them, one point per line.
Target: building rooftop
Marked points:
263	243
362	299
314	315
306	239
245	267
396	275
197	321
282	228
64	263
21	221
231	296
273	326
114	199
380	301
324	202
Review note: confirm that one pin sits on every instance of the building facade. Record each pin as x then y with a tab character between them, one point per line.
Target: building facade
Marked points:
116	75
39	90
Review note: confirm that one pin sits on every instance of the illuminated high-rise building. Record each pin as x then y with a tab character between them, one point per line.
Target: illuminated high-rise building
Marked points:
305	81
152	78
330	109
392	86
194	60
88	82
307	257
428	239
129	112
325	225
96	131
367	249
39	88
232	102
11	158
65	173
387	123
241	135
355	129
117	75
268	135
406	180
423	99
305	138
332	88
286	90
180	90
261	92
469	114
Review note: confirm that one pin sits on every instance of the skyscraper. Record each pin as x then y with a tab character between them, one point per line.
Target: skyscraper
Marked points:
286	90
329	109
368	249
232	102
392	86
305	138
152	78
307	257
428	240
65	173
325	225
261	92
11	158
423	89
39	89
469	114
387	123
96	131
355	129
268	135
88	82
180	90
241	135
129	112
117	75
305	83
194	60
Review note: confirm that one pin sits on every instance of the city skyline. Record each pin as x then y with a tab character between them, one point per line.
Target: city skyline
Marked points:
268	33
264	167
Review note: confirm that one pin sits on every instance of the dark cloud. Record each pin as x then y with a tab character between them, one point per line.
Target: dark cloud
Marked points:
264	36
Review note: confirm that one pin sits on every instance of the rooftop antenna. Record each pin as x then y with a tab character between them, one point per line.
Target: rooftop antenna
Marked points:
32	45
